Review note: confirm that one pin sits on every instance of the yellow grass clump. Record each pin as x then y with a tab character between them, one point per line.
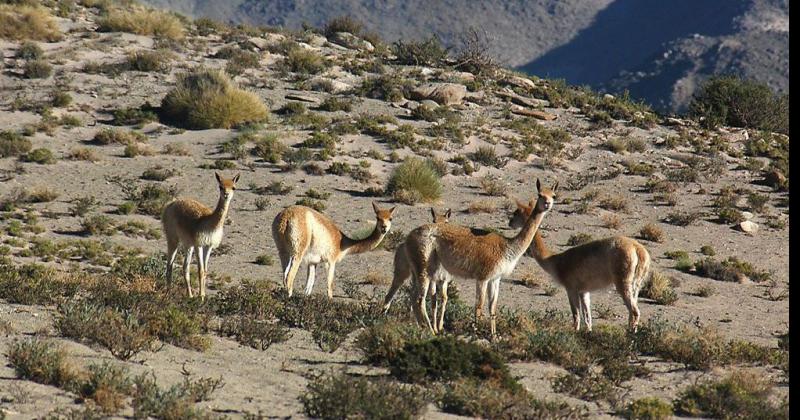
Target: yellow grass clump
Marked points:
142	21
18	22
209	99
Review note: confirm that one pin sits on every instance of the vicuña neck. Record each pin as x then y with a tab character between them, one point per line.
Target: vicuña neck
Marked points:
221	211
540	251
357	246
523	240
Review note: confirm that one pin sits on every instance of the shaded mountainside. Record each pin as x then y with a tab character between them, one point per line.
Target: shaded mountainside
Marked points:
657	50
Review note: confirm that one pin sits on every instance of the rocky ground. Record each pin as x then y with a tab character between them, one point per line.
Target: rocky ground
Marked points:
604	191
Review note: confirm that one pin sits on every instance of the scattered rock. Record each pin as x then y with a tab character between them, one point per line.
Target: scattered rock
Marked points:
411	105
303	98
742	279
522	82
429	103
747	215
442	93
316	40
748	227
324	83
775	179
351	41
521	100
535	113
608	96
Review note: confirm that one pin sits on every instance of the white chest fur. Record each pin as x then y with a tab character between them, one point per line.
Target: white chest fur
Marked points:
212	238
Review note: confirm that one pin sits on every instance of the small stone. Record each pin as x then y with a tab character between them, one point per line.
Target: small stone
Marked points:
748	227
608	96
303	98
747	215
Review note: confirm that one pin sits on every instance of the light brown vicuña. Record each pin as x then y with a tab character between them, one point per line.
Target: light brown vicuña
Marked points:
402	271
304	235
466	253
617	260
192	227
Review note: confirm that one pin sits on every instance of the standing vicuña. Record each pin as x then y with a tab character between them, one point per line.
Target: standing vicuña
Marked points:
305	235
592	266
402	271
191	226
483	257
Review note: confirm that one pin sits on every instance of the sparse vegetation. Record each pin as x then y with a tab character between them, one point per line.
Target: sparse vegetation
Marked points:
208	99
142	21
414	181
27	22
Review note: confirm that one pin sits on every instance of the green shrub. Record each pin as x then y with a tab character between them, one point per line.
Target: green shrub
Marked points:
60	99
41	156
485	399
448	358
487	155
175	402
383	342
133	116
42	362
342	24
659	287
339	396
413	181
148	61
426	52
13	144
258	334
731	269
740	395
648	408
29	50
37	69
733	101
107	385
303	61
208	99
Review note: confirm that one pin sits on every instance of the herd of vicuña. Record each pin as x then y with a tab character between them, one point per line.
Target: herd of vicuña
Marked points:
431	255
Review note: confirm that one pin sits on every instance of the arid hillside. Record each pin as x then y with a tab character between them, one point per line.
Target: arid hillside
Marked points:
109	111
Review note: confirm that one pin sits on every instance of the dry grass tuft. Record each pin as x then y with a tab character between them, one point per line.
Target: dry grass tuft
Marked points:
18	22
143	21
209	99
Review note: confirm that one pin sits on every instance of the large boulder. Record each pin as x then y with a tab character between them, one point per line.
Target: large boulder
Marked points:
441	93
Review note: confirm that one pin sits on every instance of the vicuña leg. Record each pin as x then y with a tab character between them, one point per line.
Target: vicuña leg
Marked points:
586	309
574	306
172	254
443	292
203	279
187	268
494	294
633	309
201	267
312	276
331	271
291	271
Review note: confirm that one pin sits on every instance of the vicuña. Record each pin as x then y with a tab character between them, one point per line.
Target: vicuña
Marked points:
462	252
592	266
192	227
304	235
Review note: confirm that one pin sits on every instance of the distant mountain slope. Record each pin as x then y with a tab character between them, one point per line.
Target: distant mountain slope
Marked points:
658	50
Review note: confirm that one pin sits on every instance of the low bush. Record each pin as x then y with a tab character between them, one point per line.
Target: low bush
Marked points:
339	396
414	181
208	99
648	408
42	362
13	144
733	101
739	395
142	21
37	69
426	52
28	22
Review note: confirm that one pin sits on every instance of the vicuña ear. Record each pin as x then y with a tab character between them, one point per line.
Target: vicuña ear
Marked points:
433	213
236	178
391	210
538	185
449	212
375	207
555	186
219	178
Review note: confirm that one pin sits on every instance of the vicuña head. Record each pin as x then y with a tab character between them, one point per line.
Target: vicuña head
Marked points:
617	260
304	235
461	252
193	227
